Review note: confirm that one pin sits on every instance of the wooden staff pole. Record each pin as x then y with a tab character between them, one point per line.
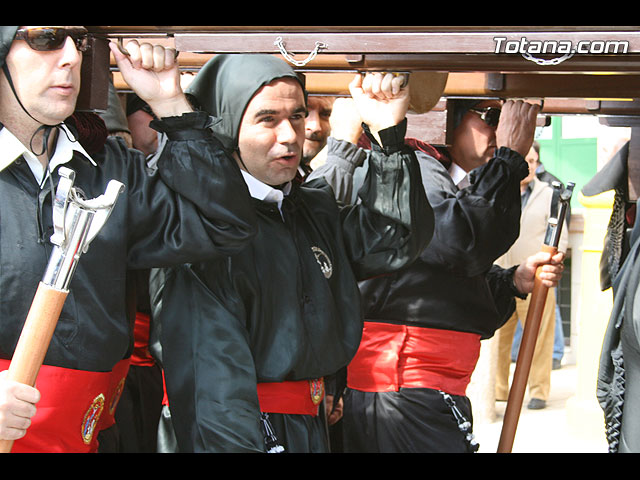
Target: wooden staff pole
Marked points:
523	363
34	340
559	205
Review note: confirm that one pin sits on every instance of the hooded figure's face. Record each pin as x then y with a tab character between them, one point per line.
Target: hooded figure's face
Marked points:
259	106
272	132
47	83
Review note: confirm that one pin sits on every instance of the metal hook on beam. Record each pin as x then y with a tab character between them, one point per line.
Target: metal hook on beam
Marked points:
298	63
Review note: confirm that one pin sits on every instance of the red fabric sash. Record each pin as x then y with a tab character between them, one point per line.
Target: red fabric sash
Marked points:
301	397
74	406
400	356
141	355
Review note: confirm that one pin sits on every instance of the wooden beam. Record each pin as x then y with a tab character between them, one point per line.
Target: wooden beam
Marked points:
444	48
544	30
550	87
459	62
330	79
446	63
394	42
466	52
479	84
429	127
547	85
413	50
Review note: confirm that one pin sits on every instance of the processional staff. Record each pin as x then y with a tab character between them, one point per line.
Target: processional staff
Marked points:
559	205
76	222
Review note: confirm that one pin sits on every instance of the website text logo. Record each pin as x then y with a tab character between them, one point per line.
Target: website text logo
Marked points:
563	47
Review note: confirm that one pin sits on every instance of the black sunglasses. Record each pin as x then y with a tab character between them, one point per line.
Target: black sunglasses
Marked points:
46	39
489	115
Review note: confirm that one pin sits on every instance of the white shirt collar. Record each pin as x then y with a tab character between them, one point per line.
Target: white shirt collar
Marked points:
264	192
459	176
11	149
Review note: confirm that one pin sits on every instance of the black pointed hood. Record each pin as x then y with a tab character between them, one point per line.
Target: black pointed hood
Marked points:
7	34
226	84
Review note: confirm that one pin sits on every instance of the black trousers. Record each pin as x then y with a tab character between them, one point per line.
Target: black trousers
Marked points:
137	414
412	420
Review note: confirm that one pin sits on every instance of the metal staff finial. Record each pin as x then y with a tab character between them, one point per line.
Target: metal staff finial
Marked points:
559	205
76	222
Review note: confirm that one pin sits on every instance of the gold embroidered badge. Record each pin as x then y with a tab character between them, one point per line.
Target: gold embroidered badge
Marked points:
317	390
91	418
116	396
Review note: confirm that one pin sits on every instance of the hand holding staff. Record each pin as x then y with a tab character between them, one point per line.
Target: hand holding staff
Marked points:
559	205
76	223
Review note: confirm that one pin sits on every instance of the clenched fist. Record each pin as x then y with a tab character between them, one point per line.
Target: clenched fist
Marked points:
382	99
517	126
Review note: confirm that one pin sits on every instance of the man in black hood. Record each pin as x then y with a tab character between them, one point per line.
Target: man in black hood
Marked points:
193	209
247	341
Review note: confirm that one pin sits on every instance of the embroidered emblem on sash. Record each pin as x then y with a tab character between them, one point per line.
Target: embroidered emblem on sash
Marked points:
91	418
317	390
324	262
116	396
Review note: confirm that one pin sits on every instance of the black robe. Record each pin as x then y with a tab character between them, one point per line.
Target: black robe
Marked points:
277	312
453	285
618	385
177	215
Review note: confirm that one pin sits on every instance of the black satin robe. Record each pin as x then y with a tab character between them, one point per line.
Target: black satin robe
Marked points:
618	385
453	285
270	313
196	207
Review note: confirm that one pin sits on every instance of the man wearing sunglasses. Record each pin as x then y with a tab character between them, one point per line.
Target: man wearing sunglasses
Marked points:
474	136
423	324
190	210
